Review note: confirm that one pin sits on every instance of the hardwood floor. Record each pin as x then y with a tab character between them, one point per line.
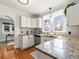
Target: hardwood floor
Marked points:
11	53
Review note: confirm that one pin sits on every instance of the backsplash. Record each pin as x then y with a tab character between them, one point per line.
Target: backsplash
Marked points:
38	30
27	30
30	30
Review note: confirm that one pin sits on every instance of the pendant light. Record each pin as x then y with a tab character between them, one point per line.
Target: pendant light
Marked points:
50	12
24	2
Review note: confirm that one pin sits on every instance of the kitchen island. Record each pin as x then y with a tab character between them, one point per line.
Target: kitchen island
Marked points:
60	48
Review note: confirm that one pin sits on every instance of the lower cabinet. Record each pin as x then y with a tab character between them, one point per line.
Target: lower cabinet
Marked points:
27	41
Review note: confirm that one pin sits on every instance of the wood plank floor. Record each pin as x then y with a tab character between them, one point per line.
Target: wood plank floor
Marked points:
11	53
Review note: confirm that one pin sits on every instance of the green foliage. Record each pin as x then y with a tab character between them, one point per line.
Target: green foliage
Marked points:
65	11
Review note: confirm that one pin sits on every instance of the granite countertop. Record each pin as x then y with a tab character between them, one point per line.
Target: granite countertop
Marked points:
25	34
47	35
61	48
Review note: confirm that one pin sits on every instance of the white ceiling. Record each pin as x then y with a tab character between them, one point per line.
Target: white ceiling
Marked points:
36	7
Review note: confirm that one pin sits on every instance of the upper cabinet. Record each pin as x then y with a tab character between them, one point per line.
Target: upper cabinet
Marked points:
40	22
31	22
35	23
73	15
23	21
28	22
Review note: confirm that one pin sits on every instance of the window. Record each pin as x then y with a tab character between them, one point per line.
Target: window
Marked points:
59	21
47	25
6	28
13	28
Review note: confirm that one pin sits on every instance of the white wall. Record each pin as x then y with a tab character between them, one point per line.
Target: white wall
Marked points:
73	20
73	15
14	13
74	30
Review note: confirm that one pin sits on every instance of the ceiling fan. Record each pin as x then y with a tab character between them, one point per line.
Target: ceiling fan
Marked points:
24	2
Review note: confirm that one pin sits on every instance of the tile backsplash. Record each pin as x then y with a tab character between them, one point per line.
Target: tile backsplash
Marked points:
38	30
30	31
27	30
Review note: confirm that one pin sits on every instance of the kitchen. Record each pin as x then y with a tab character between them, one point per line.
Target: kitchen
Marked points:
49	30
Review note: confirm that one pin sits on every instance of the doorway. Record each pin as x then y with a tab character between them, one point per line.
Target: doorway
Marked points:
6	30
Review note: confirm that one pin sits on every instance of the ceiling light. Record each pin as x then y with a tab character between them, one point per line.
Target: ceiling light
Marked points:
24	2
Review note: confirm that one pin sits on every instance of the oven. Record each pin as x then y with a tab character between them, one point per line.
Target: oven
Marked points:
37	39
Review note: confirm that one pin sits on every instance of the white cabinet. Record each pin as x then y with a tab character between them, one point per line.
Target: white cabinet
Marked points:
45	39
73	15
29	22
35	23
26	41
40	23
31	40
25	21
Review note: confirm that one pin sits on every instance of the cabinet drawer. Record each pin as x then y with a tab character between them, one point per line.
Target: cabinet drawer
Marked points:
29	42
30	37
25	37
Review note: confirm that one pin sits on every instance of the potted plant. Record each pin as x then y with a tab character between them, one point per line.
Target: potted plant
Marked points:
69	5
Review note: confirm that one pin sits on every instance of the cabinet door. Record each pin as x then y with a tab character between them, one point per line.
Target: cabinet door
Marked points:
35	23
23	21
40	23
28	20
31	40
25	41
